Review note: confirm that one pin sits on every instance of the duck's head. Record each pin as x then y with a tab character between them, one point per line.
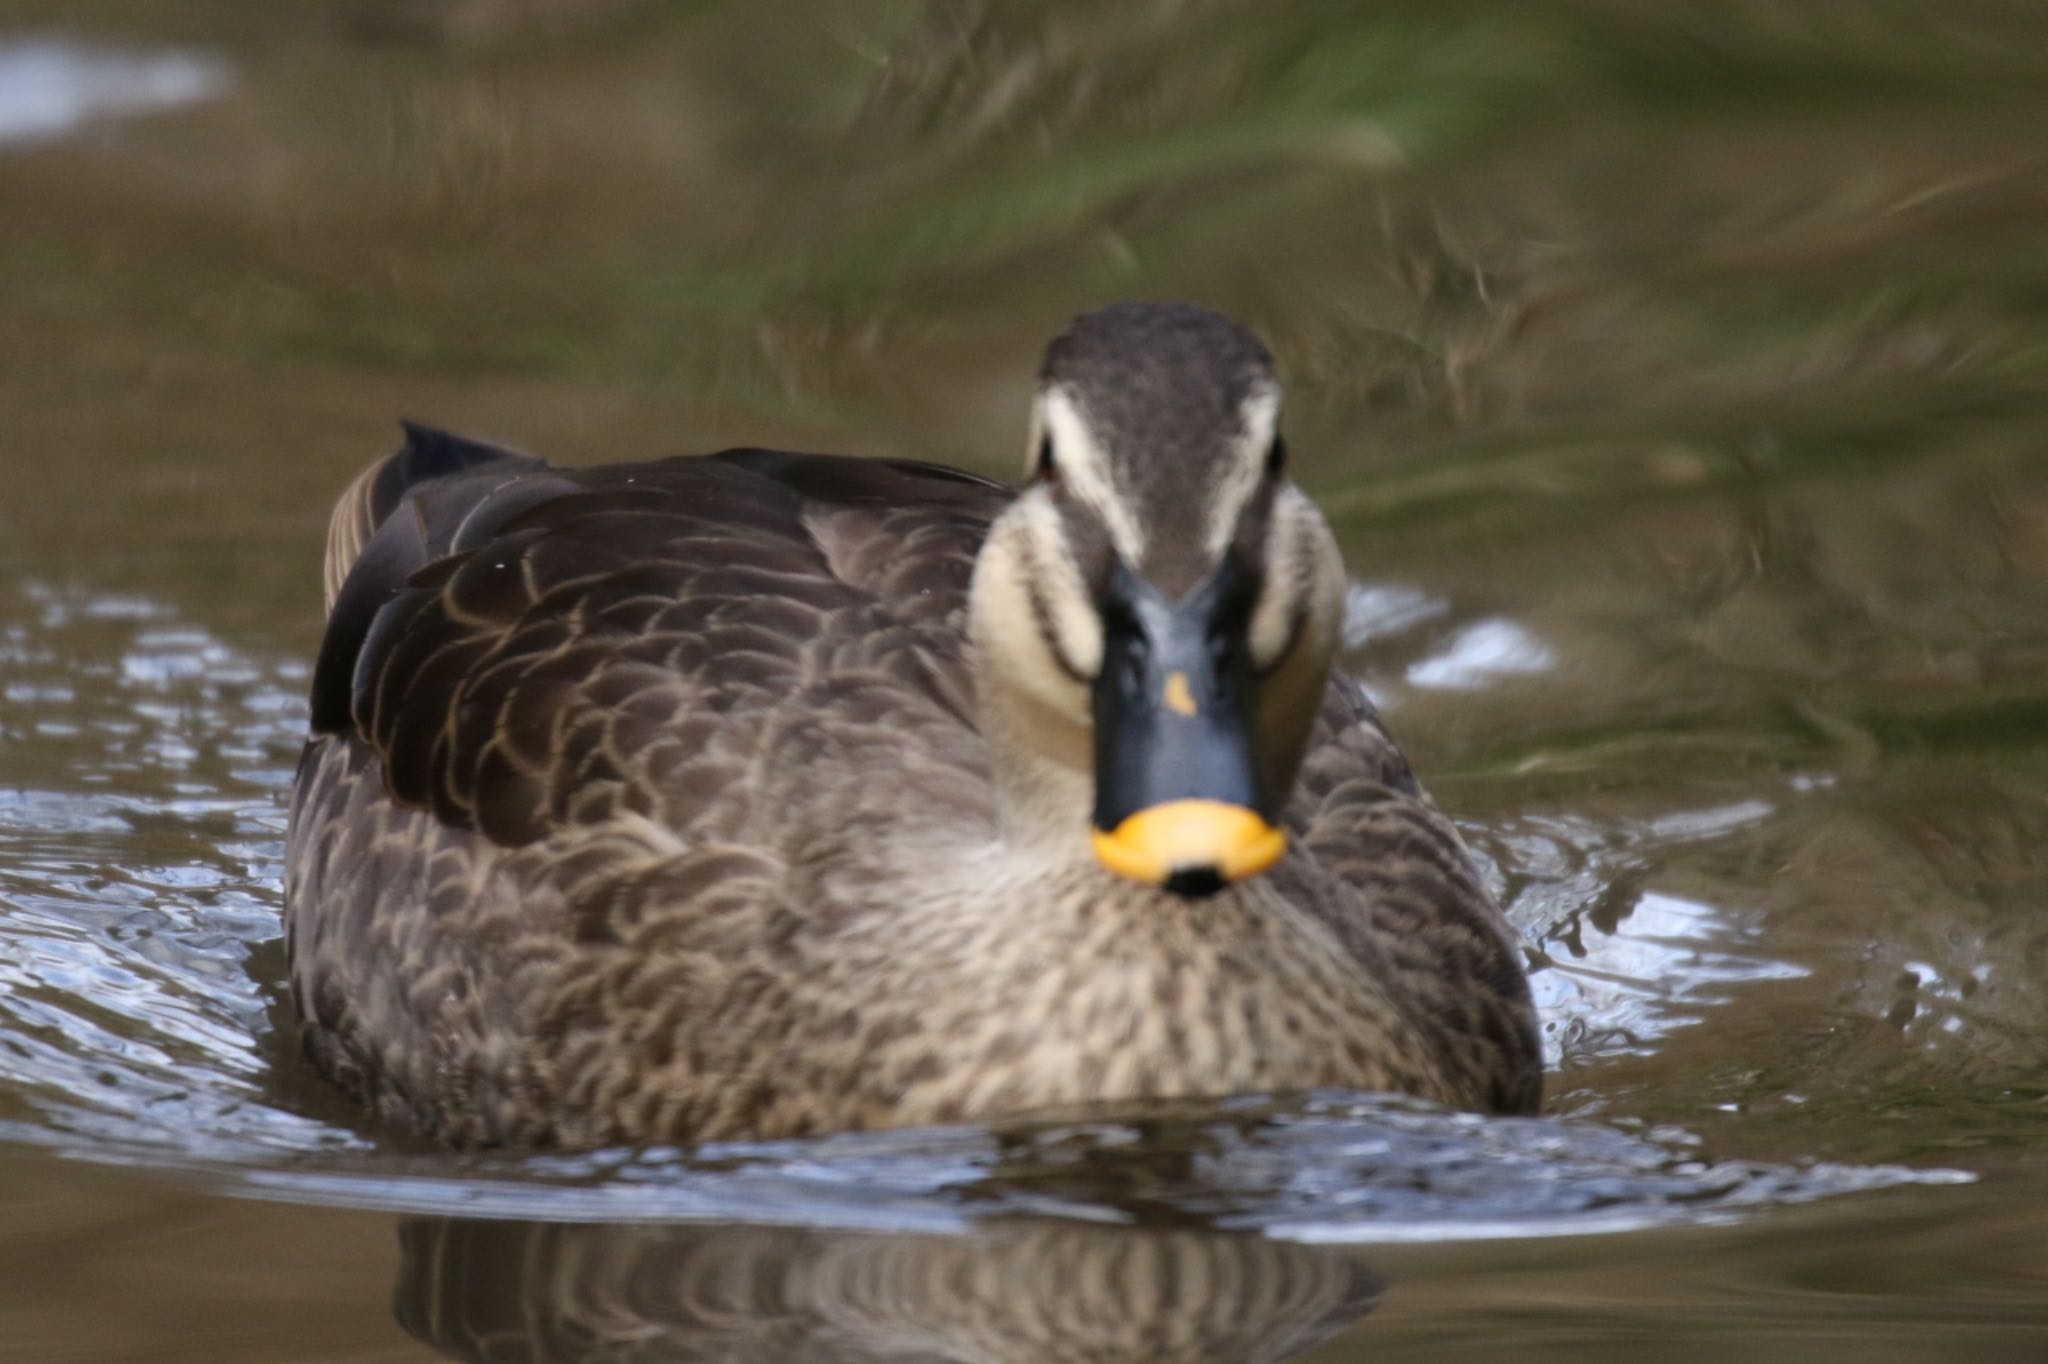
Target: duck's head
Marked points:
1155	615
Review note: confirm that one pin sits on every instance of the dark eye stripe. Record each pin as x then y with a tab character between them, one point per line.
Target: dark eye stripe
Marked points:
1048	471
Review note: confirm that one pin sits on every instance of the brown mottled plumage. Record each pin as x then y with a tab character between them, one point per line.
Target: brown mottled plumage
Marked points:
748	794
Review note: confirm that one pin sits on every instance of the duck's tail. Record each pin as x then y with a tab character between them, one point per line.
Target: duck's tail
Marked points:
377	491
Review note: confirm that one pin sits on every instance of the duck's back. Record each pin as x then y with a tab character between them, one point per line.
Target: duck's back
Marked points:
579	736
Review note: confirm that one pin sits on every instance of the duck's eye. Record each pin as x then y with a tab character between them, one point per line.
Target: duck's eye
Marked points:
1047	470
1219	653
1276	457
1131	672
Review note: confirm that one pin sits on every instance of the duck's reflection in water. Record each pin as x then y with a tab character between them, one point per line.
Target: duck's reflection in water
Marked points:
523	1292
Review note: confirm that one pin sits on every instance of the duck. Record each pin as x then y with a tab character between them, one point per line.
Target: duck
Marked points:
762	794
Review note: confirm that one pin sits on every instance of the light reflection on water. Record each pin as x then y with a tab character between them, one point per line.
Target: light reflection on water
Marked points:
1481	654
132	906
50	87
1622	991
1375	612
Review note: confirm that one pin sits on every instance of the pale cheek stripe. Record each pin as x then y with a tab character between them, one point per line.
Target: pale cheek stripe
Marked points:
1086	472
1052	585
1258	419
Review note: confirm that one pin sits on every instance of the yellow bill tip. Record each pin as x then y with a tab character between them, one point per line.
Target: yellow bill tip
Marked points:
1190	835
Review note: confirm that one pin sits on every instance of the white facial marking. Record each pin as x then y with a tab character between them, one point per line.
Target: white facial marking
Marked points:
1259	418
1304	574
1084	468
1061	593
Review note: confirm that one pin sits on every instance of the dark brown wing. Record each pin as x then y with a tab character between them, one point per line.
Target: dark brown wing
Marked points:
525	647
428	456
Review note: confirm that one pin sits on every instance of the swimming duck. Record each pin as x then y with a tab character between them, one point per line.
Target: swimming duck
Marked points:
759	794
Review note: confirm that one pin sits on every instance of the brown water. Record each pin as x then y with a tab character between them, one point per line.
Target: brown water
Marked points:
1677	377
